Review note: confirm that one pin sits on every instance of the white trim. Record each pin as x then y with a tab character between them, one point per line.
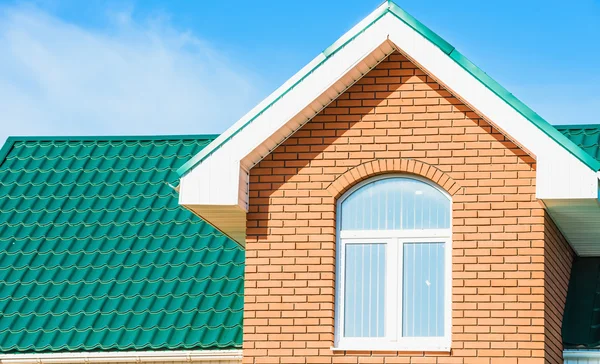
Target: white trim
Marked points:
422	344
403	234
581	354
394	240
124	357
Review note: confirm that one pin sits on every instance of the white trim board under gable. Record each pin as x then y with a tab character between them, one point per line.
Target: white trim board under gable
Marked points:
173	356
217	187
581	356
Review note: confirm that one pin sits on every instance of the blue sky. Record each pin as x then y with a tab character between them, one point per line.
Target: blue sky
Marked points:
75	67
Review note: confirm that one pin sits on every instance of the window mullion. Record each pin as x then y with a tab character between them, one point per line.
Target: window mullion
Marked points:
400	265
391	290
448	290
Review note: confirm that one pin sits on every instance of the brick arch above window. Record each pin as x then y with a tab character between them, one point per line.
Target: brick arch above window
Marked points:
398	165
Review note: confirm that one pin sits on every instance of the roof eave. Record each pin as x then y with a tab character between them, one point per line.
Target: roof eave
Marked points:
122	357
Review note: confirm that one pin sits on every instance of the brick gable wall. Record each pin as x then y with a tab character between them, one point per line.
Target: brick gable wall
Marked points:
397	119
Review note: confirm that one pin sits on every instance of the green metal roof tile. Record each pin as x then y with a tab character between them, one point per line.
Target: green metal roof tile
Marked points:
587	137
96	253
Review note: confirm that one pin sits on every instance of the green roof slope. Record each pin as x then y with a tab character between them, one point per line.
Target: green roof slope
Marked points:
96	254
587	137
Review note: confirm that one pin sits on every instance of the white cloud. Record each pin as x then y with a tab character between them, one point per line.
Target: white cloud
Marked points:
134	77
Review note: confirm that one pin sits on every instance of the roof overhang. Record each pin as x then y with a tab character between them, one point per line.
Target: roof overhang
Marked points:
214	183
123	357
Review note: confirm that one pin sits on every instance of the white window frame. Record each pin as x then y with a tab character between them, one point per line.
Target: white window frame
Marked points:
394	240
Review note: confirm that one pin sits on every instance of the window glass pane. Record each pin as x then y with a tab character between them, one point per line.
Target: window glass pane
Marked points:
423	290
364	290
394	204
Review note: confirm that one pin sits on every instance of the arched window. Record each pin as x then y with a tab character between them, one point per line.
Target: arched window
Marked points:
394	266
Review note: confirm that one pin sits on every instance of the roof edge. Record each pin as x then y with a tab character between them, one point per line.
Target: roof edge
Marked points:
581	353
577	126
495	87
6	148
358	29
420	28
525	110
123	356
390	7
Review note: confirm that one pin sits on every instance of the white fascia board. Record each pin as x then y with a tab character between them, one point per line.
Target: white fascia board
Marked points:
217	180
582	354
124	357
563	175
221	178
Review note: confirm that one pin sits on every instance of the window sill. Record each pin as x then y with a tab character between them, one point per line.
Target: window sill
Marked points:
419	348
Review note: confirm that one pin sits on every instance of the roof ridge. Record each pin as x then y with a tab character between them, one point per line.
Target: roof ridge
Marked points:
577	126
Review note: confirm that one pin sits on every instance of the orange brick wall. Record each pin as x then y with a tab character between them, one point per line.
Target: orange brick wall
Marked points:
397	119
558	261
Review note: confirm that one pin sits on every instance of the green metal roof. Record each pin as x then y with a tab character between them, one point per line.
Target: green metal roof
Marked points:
581	321
587	137
96	254
445	47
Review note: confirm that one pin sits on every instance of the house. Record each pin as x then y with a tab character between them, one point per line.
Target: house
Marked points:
390	203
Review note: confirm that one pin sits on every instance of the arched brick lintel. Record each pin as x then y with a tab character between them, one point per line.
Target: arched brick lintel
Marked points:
400	165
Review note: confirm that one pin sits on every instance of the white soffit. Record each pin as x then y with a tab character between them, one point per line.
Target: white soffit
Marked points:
578	220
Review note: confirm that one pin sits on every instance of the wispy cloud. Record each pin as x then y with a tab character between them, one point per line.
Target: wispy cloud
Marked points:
134	77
